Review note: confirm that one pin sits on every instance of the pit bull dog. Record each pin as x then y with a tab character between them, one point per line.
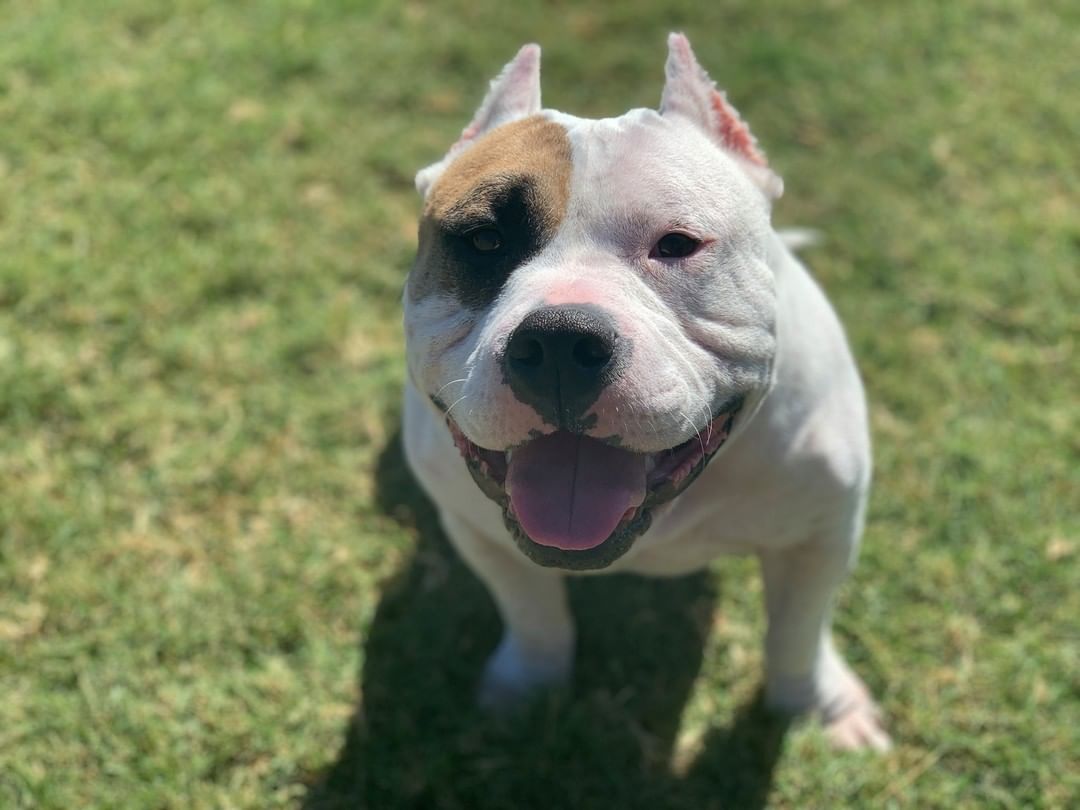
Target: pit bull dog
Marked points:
616	364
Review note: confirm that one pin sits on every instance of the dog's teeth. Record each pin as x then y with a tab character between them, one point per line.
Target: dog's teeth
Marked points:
650	463
508	454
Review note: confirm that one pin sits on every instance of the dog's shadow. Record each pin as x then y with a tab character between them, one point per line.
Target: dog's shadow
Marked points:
416	739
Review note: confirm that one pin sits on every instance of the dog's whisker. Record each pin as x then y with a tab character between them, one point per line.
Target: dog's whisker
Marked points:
456	401
709	418
696	431
461	380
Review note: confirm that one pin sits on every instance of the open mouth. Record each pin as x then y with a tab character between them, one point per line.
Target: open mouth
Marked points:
572	501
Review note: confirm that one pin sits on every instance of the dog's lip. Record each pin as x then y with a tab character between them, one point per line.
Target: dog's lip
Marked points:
731	406
668	474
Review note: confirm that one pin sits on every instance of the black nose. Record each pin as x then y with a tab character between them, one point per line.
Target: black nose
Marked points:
559	359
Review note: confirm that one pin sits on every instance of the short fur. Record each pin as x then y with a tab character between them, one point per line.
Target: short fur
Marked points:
530	158
739	318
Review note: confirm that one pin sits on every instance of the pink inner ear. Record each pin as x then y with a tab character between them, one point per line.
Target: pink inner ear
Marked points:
467	134
690	90
514	93
734	132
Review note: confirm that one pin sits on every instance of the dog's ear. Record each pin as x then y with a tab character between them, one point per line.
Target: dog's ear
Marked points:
514	94
690	93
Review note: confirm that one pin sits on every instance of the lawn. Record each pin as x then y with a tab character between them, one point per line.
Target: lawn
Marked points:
219	587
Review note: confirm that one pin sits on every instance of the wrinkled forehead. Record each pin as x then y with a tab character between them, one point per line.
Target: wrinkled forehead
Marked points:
643	161
639	156
616	181
604	140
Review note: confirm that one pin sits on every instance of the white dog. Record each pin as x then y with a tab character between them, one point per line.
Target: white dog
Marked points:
616	364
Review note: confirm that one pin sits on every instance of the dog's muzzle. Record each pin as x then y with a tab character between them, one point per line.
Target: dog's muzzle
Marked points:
572	500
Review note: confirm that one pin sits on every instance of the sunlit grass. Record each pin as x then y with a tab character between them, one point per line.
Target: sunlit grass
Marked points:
218	588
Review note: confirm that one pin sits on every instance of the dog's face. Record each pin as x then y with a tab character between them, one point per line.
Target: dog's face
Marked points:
591	306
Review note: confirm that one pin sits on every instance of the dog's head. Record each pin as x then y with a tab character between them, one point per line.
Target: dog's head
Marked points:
591	307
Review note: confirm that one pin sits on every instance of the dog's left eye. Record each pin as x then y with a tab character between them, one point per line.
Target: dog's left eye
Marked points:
485	240
674	246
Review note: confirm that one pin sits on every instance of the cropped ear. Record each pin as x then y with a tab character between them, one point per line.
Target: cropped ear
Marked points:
691	94
514	94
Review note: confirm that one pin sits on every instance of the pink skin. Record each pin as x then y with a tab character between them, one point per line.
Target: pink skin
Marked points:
577	291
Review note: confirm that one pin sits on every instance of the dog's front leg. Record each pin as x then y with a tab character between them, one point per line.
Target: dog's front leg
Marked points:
537	647
804	672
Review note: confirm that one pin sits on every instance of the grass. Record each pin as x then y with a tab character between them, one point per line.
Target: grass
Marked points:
219	586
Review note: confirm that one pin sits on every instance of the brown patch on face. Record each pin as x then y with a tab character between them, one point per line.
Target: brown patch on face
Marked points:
532	147
515	181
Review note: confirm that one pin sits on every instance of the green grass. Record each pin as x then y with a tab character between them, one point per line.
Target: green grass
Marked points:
218	585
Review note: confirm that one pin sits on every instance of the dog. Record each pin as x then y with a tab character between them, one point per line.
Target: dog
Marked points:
615	364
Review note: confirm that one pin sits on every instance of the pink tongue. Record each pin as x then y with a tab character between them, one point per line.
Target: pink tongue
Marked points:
570	491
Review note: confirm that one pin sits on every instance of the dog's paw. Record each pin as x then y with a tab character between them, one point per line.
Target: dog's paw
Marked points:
511	677
858	728
851	719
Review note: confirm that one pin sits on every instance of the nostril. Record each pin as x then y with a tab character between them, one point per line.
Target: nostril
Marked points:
558	359
592	352
526	351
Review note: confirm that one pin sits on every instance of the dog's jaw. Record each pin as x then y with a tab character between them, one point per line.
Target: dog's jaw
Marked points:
668	474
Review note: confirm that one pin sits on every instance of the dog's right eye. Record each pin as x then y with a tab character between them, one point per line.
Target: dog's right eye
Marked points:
485	240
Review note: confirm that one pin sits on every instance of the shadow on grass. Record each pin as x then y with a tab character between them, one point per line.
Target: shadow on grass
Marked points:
417	741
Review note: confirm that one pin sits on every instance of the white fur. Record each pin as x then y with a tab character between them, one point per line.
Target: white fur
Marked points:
742	314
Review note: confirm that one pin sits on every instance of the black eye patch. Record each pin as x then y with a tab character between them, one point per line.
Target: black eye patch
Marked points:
515	181
497	228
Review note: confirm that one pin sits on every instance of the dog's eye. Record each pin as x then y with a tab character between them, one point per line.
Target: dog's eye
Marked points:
485	240
675	246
